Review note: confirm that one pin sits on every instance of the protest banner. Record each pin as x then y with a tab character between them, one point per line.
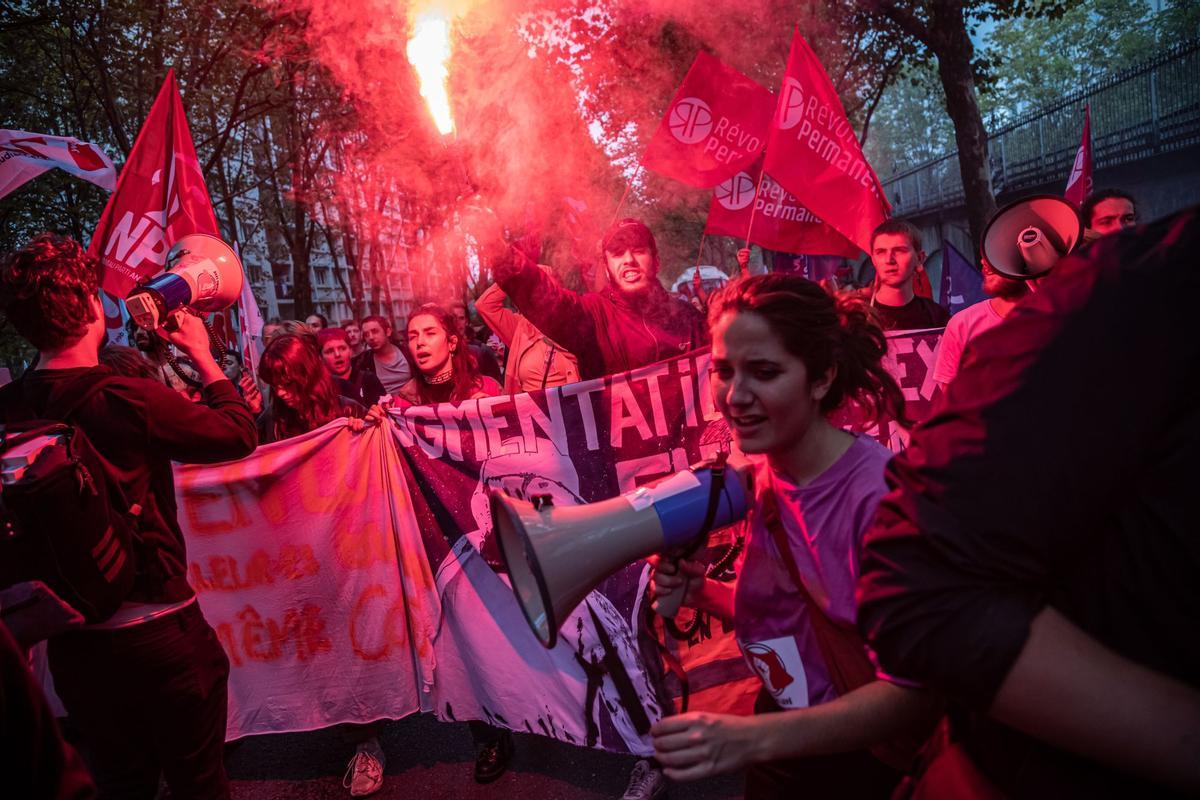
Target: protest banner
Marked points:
1079	182
813	152
352	576
715	126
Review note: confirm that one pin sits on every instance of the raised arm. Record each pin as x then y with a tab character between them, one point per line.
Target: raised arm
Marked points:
501	319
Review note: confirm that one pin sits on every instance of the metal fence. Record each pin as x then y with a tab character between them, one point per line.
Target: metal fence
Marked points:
1146	110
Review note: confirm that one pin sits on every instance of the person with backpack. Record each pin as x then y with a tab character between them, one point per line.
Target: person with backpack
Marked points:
145	686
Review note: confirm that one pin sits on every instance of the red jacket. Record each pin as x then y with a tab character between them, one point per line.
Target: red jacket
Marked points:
609	331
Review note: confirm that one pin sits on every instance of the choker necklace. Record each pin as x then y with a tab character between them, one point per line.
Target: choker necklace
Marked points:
445	377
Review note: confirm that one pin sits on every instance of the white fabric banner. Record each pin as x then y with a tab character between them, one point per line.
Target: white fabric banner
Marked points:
24	156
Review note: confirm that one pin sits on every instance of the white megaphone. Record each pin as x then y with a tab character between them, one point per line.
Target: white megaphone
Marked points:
1025	239
203	274
555	556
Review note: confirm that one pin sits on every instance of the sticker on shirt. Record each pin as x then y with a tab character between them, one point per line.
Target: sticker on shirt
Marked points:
777	663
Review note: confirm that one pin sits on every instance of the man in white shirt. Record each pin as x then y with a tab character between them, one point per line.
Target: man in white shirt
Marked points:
383	358
973	320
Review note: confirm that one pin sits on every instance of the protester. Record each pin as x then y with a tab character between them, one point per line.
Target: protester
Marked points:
1005	293
349	380
318	322
354	336
446	370
294	327
1108	211
628	324
146	688
897	256
383	358
488	365
176	372
785	357
129	362
302	392
1036	558
270	328
534	361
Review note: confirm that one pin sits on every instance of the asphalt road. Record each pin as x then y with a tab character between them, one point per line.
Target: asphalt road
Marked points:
430	760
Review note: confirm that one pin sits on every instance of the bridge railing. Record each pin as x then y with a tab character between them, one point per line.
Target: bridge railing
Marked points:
1146	110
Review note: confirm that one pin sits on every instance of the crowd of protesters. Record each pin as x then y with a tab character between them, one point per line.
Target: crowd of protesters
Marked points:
1000	610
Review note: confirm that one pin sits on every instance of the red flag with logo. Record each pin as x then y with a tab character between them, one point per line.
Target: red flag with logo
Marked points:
24	156
1079	184
160	196
715	126
775	219
813	152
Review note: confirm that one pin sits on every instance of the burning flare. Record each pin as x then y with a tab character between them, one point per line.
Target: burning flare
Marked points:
428	52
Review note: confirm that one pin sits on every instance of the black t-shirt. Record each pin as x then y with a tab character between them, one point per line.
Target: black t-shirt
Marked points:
139	426
918	313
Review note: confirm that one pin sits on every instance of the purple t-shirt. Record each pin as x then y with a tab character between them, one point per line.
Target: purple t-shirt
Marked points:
825	521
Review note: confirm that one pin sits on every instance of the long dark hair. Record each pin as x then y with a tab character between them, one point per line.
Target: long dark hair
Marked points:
464	368
290	360
823	332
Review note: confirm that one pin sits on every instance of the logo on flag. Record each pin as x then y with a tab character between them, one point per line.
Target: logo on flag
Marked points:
691	120
735	193
715	127
24	156
160	197
791	103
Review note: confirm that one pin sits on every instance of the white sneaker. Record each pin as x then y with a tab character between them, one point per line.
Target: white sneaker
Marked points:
364	775
646	782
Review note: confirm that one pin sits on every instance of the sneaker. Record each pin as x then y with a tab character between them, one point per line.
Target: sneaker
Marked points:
364	775
492	759
646	782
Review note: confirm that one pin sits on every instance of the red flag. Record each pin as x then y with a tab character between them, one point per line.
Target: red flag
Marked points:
1079	184
813	152
24	156
160	197
780	222
715	126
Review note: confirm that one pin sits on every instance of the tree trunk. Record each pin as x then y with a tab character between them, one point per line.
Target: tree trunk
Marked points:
954	51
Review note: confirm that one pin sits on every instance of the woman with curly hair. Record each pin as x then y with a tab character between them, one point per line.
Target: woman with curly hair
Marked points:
446	369
786	357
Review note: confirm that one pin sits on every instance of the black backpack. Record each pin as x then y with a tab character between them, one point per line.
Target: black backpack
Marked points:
63	519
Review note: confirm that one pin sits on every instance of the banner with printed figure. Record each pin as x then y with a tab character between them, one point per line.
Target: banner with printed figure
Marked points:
715	126
354	576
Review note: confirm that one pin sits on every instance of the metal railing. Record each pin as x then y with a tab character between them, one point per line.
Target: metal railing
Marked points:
1146	110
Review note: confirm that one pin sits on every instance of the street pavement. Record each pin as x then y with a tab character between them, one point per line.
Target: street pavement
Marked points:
431	760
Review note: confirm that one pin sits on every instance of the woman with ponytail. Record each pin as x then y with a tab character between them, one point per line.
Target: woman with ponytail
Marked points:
786	357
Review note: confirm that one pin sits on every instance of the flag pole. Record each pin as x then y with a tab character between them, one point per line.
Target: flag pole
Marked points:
754	208
696	285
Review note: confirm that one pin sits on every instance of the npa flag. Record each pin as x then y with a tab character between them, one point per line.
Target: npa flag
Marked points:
716	126
1079	184
813	152
24	156
160	197
962	285
775	219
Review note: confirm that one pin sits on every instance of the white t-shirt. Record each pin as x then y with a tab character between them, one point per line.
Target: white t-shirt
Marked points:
961	329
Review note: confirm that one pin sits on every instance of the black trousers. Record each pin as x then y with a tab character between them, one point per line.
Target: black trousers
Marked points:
845	776
149	701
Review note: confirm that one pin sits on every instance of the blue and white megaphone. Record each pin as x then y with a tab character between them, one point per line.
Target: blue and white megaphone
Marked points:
555	556
203	274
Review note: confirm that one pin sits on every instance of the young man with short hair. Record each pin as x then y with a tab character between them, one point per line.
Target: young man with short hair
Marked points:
1108	211
383	358
354	337
897	255
147	687
351	381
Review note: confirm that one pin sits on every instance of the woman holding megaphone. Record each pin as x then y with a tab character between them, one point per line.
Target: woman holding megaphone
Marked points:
785	358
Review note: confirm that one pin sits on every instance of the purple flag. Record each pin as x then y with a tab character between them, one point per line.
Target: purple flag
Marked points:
962	283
